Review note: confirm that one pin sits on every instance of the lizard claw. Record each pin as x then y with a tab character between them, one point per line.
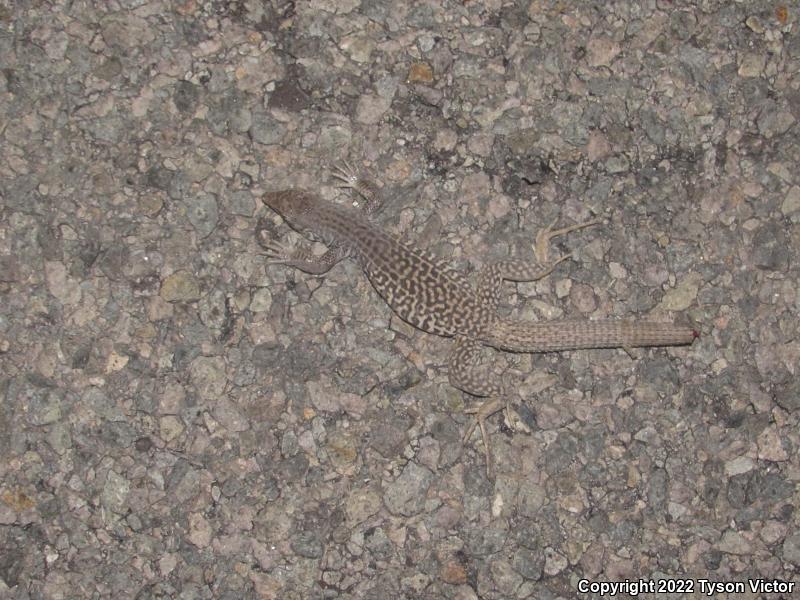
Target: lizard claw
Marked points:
277	252
351	178
347	174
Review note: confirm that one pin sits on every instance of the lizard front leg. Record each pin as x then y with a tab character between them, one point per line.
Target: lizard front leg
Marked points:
301	257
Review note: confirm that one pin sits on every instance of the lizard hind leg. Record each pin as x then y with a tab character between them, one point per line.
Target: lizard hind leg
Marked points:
464	373
492	275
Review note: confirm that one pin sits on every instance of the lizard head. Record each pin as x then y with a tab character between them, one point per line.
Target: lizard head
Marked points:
290	204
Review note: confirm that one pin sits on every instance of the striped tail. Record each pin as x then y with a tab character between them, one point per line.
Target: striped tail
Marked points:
526	336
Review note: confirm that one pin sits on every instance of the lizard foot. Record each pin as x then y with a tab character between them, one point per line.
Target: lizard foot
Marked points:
350	178
542	248
482	412
347	174
277	252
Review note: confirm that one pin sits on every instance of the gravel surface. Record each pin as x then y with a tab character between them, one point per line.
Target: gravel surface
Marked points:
178	421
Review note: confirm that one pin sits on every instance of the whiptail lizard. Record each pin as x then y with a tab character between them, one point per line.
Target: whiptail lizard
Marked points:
425	292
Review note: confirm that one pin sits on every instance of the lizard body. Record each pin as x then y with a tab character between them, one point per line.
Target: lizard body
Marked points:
427	293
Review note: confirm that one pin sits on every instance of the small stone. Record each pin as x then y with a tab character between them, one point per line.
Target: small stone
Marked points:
7	515
732	542
530	498
213	309
181	286
207	373
289	445
791	203
773	121
357	47
420	73
618	164
229	415
752	65
115	493
791	549
203	213
769	249
150	205
601	51
647	435
143	444
485	541
262	300
342	451
172	399
9	269
158	309
563	287
199	531
529	563
167	563
170	427
17	500
265	129
126	30
597	147
554	562
582	297
445	140
415	584
773	531
781	170
59	438
66	289
617	270
675	510
362	504
116	362
326	400
453	572
44	407
241	203
755	24
334	137
505	577
770	446
682	24
371	108
683	295
307	545
739	465
406	495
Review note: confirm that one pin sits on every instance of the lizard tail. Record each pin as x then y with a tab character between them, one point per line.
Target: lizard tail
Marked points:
525	336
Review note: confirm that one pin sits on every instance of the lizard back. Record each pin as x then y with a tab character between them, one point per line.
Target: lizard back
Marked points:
420	288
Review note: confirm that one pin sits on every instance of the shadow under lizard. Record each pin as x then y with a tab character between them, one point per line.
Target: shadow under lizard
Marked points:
427	293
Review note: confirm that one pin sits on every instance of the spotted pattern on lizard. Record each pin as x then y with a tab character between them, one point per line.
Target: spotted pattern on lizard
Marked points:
427	293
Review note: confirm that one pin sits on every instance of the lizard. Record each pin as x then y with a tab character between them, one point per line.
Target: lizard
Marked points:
426	292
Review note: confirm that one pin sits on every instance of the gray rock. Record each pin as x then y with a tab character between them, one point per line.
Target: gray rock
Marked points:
406	494
265	129
791	549
115	493
307	544
203	213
